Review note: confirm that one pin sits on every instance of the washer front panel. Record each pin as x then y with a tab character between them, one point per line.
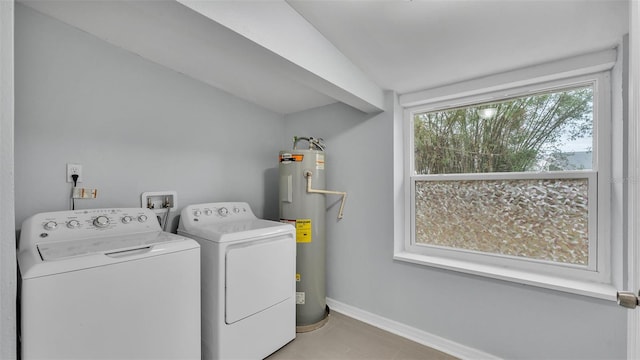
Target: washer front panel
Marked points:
146	308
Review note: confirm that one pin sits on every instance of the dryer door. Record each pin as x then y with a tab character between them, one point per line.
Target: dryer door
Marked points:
259	274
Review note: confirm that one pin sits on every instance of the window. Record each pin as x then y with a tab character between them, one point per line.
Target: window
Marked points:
514	183
528	215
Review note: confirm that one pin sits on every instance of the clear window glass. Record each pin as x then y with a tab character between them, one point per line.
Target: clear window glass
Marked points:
549	131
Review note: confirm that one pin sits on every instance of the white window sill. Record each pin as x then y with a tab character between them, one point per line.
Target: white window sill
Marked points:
585	288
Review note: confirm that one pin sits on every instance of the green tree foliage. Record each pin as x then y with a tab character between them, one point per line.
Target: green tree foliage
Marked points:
520	134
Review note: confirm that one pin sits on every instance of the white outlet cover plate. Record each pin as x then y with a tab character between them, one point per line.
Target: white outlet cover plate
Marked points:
74	169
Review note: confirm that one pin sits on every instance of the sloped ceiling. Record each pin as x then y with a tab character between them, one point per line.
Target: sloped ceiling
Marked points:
180	38
296	55
414	45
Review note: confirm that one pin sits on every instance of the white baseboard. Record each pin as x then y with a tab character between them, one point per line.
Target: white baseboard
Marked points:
411	333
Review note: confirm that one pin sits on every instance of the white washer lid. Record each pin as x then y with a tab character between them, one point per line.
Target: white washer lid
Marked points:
102	245
73	255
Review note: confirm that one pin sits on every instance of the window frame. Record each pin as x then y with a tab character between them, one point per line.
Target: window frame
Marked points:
600	277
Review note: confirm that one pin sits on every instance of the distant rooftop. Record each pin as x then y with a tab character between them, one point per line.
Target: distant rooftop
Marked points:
579	160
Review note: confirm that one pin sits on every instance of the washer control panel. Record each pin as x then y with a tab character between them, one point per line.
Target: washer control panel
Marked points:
77	224
217	212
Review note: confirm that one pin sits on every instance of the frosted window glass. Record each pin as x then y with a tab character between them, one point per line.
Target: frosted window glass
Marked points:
545	219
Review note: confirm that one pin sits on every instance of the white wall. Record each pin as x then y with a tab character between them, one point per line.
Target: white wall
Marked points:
8	280
133	125
501	318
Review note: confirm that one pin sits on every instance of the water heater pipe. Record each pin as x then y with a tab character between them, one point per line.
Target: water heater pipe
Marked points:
308	174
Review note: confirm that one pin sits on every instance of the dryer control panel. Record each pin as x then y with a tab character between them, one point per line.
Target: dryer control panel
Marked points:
227	222
219	212
79	224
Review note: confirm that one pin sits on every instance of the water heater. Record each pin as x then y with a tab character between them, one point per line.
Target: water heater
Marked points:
303	204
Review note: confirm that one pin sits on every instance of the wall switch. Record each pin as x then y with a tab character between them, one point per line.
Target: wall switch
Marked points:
74	169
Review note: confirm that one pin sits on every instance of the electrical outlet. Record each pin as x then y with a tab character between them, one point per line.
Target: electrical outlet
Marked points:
74	169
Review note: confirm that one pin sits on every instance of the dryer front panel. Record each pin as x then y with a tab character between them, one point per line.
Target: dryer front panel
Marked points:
259	275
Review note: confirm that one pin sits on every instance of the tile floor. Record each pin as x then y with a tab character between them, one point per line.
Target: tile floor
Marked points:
345	338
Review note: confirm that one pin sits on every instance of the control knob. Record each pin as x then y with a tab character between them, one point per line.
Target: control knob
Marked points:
51	225
142	218
197	213
127	219
223	211
208	212
101	221
72	224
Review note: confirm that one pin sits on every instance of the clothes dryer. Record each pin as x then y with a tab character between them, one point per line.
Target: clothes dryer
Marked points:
248	280
107	284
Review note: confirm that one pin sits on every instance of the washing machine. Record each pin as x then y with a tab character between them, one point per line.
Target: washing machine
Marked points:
107	284
248	280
